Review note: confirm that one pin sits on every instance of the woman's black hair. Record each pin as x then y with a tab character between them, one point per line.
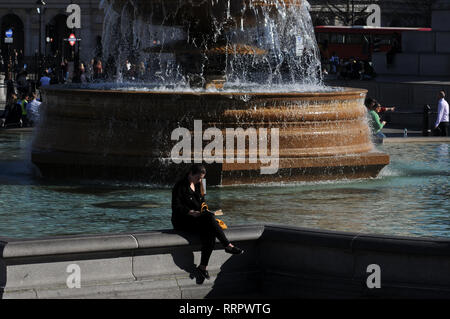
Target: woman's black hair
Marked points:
197	169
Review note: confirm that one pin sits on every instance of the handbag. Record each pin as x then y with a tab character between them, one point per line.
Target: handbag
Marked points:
204	208
221	224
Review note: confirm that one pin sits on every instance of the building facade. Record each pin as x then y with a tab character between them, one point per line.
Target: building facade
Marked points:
394	13
48	26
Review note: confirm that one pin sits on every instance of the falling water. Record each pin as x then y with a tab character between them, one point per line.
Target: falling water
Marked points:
190	43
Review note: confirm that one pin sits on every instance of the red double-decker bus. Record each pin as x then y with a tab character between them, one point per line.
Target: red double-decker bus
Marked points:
359	41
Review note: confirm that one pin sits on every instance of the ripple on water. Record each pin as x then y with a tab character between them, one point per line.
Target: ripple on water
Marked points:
127	204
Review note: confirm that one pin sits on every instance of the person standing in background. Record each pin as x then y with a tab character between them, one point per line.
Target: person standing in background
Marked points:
98	70
65	67
90	71
10	87
334	60
441	125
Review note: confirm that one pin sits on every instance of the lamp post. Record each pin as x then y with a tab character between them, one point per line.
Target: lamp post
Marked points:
40	4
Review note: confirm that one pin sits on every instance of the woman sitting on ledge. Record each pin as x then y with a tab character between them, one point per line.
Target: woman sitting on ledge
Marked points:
187	215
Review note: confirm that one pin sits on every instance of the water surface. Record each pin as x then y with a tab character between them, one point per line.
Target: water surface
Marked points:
410	197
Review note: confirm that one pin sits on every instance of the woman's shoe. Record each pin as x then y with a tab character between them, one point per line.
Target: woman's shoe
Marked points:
233	250
203	272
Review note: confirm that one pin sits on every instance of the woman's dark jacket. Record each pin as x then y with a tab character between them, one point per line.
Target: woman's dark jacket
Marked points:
185	199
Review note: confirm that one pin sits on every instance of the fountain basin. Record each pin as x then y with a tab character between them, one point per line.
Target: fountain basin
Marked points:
117	134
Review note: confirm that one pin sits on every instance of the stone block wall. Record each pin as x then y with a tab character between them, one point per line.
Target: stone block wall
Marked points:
424	54
279	261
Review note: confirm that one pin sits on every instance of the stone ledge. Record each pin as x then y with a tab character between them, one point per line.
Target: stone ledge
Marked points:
355	241
14	248
66	245
161	265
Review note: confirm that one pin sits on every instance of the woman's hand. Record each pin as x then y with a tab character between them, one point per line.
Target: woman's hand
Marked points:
194	213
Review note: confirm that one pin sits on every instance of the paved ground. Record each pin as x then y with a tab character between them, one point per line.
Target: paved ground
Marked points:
397	132
395	135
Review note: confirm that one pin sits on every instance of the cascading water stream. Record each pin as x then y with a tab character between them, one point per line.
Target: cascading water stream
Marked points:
229	65
189	43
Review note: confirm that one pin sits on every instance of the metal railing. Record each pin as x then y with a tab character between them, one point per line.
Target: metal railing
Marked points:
427	115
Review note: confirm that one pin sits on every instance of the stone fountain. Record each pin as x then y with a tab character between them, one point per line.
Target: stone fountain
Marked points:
231	64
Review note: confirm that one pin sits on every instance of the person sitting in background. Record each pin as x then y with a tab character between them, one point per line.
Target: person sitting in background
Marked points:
10	88
374	119
80	74
98	70
442	121
23	102
65	70
83	76
23	86
12	112
368	71
33	109
45	79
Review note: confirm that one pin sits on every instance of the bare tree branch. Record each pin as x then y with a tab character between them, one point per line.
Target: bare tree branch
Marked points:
348	11
412	13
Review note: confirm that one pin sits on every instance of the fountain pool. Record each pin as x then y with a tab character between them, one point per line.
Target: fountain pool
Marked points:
409	197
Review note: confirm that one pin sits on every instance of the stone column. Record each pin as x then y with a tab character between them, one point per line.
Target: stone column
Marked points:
85	34
2	91
441	15
441	25
28	34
